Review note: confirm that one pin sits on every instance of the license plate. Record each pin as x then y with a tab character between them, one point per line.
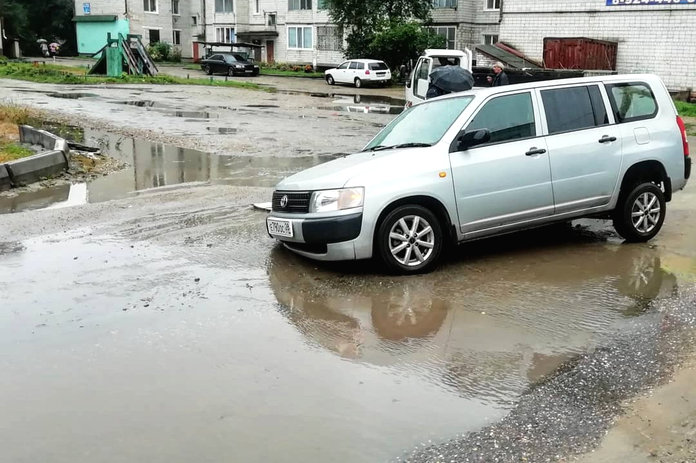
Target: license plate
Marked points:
279	227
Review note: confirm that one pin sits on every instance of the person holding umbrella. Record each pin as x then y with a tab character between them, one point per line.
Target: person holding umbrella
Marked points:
449	79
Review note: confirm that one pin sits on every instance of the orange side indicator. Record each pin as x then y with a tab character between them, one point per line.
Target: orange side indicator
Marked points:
443	174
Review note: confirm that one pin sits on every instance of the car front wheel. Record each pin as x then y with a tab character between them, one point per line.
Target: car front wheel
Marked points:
639	215
358	82
330	80
207	70
230	72
409	240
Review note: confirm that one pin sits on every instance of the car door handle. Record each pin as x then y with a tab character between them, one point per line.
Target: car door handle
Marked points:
607	139
534	151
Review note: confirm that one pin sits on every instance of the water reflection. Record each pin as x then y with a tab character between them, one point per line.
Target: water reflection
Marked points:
487	327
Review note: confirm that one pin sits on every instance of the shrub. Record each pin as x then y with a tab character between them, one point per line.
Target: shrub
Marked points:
175	56
160	51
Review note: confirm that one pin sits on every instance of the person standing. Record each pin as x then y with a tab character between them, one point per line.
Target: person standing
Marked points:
500	78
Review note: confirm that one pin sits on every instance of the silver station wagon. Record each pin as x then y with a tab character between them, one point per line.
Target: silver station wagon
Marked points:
492	161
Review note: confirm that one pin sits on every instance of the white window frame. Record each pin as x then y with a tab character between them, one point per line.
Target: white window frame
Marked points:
149	2
224	30
300	27
487	2
148	29
178	7
174	31
231	2
300	5
454	39
485	39
437	4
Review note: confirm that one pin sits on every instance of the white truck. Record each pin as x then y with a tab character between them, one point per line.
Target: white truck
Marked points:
419	80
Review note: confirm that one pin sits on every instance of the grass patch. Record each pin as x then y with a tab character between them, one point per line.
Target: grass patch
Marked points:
10	151
14	113
278	72
685	109
53	74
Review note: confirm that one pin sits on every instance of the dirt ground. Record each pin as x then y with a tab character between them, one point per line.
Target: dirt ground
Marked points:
170	328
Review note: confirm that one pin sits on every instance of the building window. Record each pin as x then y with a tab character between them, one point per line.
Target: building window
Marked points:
224	34
444	3
322	4
224	6
490	39
175	7
176	37
299	4
271	19
300	37
153	35
329	38
492	4
448	33
150	6
194	20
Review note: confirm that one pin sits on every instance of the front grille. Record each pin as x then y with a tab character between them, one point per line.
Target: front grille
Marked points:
298	201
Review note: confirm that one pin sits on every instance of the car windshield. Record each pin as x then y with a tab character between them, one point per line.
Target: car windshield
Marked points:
378	66
421	125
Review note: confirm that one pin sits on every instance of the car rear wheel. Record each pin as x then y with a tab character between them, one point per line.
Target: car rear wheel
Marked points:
640	214
207	70
409	240
330	80
358	82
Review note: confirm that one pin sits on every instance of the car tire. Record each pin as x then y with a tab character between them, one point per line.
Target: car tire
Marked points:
207	70
639	215
357	82
330	80
230	72
404	251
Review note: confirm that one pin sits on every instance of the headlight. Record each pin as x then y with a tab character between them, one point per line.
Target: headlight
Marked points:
336	200
239	66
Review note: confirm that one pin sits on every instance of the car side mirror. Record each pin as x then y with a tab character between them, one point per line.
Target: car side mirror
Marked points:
468	139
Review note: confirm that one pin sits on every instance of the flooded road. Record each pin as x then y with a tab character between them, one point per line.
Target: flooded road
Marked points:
146	316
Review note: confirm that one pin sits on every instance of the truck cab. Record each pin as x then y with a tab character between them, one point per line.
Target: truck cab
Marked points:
419	80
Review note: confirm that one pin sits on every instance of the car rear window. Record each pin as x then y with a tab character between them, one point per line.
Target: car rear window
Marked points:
573	108
378	67
632	101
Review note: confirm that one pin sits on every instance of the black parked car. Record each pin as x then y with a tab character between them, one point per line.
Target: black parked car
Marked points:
229	63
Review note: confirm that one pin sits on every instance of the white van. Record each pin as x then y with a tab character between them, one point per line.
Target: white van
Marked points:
419	80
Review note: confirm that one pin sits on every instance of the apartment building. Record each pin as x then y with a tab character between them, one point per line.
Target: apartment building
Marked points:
177	22
653	36
467	23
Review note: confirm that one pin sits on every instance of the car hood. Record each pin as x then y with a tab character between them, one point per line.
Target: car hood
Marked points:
337	173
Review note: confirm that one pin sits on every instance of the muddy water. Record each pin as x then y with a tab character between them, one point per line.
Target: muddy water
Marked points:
143	352
154	165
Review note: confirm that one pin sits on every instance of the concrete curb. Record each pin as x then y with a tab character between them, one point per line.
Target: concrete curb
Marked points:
34	168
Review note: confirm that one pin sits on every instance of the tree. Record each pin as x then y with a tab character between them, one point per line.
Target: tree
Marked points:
369	23
29	20
401	42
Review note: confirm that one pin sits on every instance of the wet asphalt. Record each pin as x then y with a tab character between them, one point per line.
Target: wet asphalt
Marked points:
146	316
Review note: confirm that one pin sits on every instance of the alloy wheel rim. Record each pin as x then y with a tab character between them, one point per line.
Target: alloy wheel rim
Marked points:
645	213
411	241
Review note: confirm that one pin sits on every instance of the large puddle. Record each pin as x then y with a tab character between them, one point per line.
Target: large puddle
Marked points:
154	165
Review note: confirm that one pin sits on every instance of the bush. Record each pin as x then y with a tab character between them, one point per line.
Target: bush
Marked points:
175	56
160	51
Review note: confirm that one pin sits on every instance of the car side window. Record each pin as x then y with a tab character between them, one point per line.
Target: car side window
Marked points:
216	57
632	101
509	117
573	108
344	65
355	65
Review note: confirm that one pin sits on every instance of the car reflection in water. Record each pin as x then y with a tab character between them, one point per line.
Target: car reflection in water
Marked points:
485	327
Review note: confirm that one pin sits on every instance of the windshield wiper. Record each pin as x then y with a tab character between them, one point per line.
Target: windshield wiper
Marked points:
402	145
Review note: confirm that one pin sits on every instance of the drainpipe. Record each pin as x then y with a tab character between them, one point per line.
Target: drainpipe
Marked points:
500	15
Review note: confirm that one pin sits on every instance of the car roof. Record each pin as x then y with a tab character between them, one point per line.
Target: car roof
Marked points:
365	60
486	91
442	52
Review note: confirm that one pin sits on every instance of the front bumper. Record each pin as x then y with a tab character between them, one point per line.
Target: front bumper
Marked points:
325	238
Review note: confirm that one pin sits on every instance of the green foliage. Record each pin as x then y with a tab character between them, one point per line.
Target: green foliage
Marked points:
160	51
365	20
30	20
175	56
10	151
402	42
686	109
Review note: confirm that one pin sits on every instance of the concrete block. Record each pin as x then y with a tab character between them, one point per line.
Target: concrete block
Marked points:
5	181
34	168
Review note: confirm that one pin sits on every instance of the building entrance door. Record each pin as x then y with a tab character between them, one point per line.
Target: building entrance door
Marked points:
270	51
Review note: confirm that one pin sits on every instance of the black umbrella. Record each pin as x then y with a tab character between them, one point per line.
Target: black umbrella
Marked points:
452	79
